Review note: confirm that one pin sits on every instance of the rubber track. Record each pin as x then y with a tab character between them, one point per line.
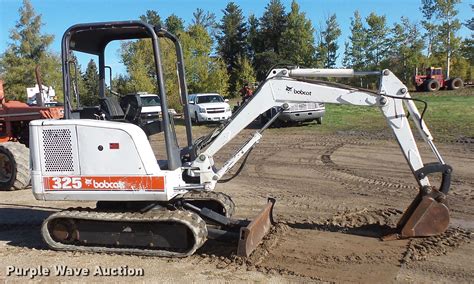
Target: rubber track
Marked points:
220	197
190	219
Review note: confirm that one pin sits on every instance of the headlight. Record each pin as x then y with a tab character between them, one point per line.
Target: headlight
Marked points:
202	110
227	109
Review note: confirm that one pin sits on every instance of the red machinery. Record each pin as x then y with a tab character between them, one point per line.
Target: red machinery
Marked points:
15	117
434	80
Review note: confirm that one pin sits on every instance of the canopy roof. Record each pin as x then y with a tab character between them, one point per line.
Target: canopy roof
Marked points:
92	38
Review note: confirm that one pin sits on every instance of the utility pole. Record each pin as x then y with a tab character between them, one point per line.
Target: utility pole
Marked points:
448	54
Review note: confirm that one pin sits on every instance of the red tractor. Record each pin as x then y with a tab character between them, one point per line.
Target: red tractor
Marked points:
434	80
15	117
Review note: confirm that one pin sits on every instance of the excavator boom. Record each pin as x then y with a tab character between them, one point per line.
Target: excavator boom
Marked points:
427	215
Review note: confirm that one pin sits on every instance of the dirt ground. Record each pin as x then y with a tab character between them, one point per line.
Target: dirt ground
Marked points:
336	195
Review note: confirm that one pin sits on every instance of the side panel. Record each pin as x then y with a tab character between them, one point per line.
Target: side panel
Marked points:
96	160
104	151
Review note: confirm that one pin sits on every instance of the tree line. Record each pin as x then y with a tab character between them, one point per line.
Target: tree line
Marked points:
222	55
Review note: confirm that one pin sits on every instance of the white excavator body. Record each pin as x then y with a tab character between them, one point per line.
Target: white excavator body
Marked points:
168	207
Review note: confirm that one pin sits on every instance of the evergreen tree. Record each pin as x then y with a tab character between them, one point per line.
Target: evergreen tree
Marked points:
354	55
470	22
29	48
467	49
90	94
297	40
254	41
272	24
428	8
231	39
328	46
377	43
152	17
174	24
270	29
406	49
204	19
346	62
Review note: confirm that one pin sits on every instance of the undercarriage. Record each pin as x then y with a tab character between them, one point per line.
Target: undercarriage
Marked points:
172	229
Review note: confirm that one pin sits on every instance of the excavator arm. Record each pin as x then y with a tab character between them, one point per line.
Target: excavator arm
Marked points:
427	215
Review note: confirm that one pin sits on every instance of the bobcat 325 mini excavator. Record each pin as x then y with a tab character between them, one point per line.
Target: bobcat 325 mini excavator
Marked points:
168	207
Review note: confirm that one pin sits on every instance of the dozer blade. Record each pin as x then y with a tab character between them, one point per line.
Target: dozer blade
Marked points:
426	216
252	235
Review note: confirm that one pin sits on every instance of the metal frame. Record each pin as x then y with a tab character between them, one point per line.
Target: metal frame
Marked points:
153	33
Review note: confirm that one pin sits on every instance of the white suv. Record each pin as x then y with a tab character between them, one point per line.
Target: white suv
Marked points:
208	107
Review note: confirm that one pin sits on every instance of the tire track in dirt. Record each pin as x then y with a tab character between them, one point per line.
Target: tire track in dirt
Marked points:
357	184
233	262
366	222
355	219
423	248
343	173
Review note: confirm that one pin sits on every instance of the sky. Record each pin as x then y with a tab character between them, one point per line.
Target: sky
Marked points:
58	15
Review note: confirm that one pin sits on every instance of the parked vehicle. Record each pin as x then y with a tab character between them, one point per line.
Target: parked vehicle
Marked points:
301	112
151	106
15	117
434	80
208	107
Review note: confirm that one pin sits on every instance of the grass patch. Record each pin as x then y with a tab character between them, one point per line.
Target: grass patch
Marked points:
450	115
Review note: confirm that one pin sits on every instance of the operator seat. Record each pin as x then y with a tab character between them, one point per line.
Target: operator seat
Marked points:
111	107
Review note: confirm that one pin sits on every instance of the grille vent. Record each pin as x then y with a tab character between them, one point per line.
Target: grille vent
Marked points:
58	150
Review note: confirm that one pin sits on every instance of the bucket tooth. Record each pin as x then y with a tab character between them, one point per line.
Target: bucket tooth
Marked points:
427	215
252	235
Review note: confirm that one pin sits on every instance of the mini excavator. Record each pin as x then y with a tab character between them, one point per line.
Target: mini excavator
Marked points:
168	207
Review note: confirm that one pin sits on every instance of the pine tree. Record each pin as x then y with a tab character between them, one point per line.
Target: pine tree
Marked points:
254	41
297	40
329	46
377	43
29	48
231	39
90	94
272	24
467	48
174	24
470	23
152	17
428	8
354	56
270	29
204	19
406	49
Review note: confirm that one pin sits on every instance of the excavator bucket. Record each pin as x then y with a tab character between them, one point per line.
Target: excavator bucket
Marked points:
427	215
252	235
